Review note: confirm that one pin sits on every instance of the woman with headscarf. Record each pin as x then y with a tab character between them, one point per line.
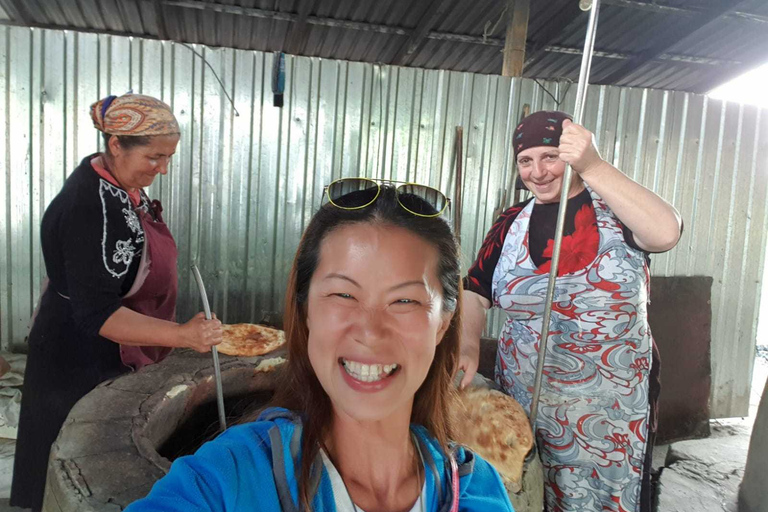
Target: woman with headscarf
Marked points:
597	409
109	305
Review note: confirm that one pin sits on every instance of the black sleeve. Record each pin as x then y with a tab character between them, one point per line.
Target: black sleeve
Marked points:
479	278
95	293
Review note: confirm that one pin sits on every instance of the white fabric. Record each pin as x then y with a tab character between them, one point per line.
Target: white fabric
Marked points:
10	394
340	494
10	406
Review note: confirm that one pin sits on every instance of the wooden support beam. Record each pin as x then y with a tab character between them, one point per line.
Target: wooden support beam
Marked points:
553	30
298	34
517	33
669	39
419	34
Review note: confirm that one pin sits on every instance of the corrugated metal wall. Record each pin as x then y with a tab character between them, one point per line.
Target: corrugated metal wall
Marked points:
243	187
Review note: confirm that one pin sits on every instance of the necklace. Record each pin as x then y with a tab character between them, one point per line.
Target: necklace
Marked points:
419	467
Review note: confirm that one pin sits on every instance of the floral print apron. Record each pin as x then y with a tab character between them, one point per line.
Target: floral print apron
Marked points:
592	423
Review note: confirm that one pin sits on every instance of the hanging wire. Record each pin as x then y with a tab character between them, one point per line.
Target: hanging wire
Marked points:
567	88
547	91
224	89
557	101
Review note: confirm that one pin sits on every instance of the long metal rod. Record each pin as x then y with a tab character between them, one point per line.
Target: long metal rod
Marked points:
581	96
214	352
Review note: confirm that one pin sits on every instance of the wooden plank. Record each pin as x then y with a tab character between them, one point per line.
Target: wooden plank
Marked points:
517	33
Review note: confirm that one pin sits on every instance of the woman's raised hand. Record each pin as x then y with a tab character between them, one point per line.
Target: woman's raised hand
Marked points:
577	148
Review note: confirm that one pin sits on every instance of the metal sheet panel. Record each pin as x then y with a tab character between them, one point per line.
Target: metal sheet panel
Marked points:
243	186
6	332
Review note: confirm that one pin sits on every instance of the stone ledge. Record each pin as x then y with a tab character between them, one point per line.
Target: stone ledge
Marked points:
704	474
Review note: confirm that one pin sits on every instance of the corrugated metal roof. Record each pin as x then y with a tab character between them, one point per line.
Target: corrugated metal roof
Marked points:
467	36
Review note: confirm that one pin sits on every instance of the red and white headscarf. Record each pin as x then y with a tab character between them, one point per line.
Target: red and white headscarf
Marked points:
133	114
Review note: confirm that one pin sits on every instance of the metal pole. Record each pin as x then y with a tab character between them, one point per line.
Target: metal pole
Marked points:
214	352
581	96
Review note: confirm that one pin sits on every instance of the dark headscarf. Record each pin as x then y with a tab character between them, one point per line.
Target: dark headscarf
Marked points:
542	128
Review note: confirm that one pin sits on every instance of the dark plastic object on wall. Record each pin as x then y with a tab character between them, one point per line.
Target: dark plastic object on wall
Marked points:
278	78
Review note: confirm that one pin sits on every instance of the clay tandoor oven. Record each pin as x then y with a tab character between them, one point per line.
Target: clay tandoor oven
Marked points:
123	436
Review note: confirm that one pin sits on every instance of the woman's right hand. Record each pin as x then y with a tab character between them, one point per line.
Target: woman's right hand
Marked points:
200	334
469	360
472	324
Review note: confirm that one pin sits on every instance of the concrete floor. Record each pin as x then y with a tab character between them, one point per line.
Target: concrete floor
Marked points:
705	474
5	507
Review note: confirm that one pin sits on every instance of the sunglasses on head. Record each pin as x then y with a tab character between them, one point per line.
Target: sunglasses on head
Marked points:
357	193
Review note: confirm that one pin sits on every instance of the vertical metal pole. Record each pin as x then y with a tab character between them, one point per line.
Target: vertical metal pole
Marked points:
214	352
581	96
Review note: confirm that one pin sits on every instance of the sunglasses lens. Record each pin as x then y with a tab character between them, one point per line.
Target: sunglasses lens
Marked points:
351	193
422	200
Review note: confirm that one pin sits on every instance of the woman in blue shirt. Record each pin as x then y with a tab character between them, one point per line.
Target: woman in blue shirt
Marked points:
372	326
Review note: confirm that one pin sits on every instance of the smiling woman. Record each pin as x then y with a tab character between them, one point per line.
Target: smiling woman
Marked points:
362	423
602	368
109	306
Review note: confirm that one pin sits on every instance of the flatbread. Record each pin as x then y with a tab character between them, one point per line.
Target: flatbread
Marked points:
495	426
250	340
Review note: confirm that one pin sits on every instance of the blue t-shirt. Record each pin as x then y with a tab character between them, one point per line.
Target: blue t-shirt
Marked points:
251	467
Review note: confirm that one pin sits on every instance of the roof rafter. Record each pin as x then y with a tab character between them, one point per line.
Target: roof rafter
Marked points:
552	31
419	34
298	35
162	26
682	11
753	59
668	40
15	9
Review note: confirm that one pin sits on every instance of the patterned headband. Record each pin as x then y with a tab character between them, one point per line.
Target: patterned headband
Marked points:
133	114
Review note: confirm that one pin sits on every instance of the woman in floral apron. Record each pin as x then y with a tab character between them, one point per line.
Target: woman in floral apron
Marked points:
597	411
109	305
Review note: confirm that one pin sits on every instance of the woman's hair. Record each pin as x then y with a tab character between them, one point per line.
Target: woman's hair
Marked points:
300	390
127	141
